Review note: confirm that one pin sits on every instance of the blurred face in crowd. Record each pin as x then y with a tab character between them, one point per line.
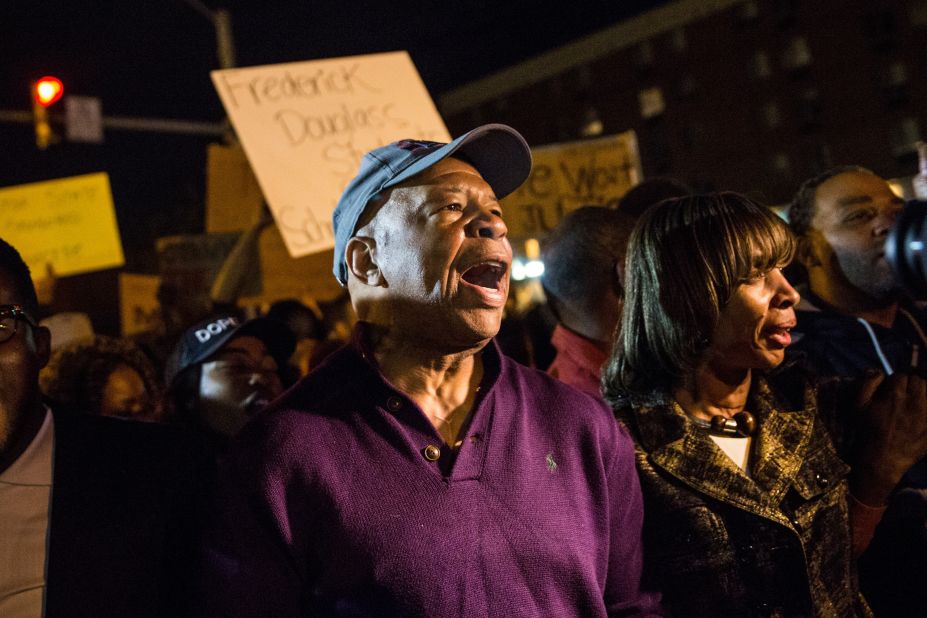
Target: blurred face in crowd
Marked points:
753	327
236	382
441	248
125	395
21	358
853	214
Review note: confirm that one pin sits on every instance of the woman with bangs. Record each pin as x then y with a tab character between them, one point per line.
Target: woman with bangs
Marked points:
746	500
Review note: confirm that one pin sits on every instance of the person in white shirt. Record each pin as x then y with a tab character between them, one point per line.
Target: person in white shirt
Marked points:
98	516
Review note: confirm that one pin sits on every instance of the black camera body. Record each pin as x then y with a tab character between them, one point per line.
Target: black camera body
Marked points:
906	248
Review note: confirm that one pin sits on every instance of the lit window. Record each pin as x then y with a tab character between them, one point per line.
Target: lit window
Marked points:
651	102
592	125
797	55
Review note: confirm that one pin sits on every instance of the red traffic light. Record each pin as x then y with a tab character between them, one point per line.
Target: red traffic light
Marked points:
47	90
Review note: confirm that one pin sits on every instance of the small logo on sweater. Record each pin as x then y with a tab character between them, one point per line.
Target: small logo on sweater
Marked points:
551	464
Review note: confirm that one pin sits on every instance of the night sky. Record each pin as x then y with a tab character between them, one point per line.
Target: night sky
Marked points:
151	58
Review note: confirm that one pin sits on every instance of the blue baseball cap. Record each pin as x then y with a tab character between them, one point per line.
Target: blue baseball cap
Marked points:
208	336
498	152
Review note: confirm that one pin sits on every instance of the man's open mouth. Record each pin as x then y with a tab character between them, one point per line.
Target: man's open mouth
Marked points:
255	402
486	274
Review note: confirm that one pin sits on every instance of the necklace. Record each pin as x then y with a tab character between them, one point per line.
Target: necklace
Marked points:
742	425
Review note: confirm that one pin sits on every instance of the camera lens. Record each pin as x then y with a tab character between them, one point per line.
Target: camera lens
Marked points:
905	250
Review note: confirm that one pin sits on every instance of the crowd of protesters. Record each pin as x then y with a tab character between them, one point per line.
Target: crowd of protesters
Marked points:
715	413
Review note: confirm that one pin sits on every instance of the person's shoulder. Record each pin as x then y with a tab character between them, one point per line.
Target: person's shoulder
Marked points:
105	431
140	450
338	387
560	404
336	376
541	383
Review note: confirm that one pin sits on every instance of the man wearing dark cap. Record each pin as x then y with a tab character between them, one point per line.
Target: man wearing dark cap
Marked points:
418	472
224	370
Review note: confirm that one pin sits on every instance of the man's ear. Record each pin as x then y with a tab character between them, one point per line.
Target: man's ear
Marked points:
619	278
808	251
360	255
42	338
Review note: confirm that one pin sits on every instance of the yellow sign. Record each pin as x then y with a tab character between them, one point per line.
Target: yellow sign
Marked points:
233	203
567	176
68	223
306	125
138	302
233	197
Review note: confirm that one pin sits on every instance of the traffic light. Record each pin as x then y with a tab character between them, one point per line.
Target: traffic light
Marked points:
45	92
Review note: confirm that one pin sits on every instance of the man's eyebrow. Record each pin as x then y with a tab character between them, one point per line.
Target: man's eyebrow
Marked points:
854	200
459	189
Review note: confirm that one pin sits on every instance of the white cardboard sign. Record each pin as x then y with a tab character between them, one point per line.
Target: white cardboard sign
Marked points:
305	126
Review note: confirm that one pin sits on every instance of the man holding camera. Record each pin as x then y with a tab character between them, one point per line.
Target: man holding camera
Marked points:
855	320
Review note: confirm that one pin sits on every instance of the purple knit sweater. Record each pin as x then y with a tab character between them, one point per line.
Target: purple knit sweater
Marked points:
328	504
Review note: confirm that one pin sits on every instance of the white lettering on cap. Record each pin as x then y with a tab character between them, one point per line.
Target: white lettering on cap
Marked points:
214	328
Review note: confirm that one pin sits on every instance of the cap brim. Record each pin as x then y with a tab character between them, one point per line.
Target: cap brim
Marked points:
279	340
498	152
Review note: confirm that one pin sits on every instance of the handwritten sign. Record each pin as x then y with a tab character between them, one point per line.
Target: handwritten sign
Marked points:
567	176
69	223
306	125
138	303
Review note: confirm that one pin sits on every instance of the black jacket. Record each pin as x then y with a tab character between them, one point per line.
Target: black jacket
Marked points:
893	571
841	345
124	518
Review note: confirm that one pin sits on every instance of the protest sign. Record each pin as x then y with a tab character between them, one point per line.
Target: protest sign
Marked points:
567	176
233	197
233	203
283	276
138	303
68	223
305	126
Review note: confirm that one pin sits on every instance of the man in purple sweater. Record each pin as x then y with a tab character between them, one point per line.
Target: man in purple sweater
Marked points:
418	472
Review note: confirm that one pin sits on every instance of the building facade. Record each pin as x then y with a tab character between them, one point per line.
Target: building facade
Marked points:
747	95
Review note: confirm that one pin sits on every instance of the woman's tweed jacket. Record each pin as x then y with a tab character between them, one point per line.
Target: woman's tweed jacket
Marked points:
721	543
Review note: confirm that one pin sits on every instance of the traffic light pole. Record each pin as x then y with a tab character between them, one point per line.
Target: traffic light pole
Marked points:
225	51
130	123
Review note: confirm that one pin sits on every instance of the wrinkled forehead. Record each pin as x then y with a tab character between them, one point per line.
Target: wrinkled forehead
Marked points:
448	173
446	176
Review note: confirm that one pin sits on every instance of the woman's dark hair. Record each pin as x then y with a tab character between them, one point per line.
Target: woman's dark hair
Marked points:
77	373
686	258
